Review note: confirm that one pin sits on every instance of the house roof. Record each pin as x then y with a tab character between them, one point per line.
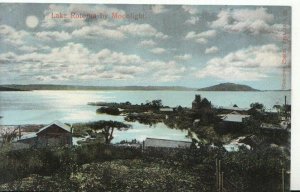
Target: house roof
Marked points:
234	117
235	108
28	136
154	142
57	123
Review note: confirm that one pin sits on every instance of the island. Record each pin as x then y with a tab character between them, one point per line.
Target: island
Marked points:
228	87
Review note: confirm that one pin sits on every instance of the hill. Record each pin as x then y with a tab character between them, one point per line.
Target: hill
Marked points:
2	88
80	87
228	87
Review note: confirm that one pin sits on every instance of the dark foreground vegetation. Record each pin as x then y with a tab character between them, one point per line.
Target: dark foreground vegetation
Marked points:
99	167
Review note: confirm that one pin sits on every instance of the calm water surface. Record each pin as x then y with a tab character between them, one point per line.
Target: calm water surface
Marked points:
42	107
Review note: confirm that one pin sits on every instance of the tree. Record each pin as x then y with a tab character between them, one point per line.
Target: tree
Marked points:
8	134
107	128
258	106
156	103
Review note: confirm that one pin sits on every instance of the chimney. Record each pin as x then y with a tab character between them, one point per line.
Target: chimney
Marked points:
284	100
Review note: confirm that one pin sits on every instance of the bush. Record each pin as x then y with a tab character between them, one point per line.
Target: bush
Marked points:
109	110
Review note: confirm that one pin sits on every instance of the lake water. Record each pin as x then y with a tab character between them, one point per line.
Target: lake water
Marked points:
43	107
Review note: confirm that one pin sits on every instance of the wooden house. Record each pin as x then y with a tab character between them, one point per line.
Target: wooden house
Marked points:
232	122
54	134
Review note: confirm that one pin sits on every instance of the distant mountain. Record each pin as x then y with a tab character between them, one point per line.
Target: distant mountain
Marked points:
228	87
2	88
79	87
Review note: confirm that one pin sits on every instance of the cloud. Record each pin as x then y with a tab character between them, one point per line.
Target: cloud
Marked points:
190	9
168	71
250	21
107	56
157	9
210	50
98	31
129	70
158	50
252	63
184	57
53	35
147	43
74	61
192	20
11	36
202	37
142	30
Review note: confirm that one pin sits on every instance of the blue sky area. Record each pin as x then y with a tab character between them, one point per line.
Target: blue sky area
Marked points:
172	45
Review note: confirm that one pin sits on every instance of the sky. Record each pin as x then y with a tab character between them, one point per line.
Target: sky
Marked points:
160	45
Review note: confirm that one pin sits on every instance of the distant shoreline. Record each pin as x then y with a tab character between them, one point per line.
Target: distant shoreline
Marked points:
53	87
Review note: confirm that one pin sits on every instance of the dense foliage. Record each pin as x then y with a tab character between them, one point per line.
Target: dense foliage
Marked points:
106	167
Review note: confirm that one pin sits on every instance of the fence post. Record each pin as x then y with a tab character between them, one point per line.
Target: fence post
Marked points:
222	181
217	175
282	179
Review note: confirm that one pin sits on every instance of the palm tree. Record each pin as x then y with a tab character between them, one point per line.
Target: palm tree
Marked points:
107	128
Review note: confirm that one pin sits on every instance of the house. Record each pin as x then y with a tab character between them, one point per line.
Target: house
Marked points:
165	143
54	134
234	108
232	121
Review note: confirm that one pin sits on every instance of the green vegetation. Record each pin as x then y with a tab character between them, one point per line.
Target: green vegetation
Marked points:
107	168
109	110
107	128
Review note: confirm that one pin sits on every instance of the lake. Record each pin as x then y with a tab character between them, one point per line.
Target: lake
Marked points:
43	107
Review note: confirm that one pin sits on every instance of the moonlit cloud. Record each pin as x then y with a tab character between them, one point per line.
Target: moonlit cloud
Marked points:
143	30
147	43
184	57
98	32
250	21
210	50
158	50
53	36
12	36
190	9
249	64
193	20
202	37
157	9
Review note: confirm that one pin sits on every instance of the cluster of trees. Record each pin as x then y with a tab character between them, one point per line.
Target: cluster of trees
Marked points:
109	110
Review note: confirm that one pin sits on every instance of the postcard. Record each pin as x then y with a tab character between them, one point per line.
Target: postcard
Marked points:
145	97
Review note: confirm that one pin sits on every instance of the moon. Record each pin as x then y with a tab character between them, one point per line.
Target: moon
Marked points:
32	21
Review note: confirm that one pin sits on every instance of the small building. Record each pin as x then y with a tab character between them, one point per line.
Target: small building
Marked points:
234	108
232	121
54	134
165	143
